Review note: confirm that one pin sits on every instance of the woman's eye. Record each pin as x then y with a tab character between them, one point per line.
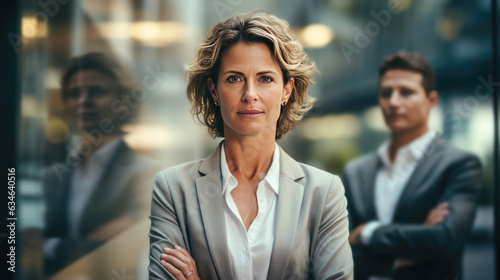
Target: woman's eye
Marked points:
266	79
98	91
233	79
73	93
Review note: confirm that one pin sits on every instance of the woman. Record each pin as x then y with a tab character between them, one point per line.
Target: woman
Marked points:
103	187
249	211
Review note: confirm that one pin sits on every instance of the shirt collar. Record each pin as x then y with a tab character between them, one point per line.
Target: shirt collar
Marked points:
383	153
272	176
420	145
416	148
103	155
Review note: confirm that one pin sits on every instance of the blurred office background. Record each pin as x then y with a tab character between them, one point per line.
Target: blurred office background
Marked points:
347	40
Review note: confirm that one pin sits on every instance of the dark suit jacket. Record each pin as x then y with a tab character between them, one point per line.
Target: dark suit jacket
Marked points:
124	189
443	174
311	233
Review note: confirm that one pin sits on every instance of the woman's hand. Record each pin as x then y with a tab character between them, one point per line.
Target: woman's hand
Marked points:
179	263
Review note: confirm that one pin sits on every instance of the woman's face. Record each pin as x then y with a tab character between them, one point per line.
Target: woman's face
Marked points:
89	101
250	90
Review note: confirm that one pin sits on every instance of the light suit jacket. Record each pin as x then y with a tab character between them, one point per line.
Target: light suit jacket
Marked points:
443	174
311	237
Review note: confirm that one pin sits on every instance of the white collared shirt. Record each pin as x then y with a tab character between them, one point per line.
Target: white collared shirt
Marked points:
392	178
250	252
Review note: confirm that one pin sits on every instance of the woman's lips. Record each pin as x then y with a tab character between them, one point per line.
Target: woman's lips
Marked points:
87	116
250	113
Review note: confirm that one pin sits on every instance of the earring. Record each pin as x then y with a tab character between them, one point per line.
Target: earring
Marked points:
216	103
284	104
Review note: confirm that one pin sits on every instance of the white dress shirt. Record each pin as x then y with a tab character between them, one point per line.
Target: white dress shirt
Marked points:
83	182
391	179
250	251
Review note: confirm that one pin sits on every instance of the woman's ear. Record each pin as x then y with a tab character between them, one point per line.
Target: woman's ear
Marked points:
211	88
287	91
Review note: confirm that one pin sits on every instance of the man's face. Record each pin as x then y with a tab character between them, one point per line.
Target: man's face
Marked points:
404	102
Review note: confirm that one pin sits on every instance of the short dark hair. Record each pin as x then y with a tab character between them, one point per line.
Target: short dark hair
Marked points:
411	61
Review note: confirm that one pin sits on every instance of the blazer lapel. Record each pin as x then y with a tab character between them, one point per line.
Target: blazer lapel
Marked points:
62	203
57	197
105	190
287	214
368	187
209	191
424	167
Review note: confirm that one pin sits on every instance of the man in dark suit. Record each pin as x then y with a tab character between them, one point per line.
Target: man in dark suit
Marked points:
412	202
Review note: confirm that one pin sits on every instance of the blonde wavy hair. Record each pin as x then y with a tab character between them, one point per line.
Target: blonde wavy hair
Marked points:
256	26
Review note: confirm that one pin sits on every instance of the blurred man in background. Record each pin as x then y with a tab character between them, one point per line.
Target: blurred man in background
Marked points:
412	202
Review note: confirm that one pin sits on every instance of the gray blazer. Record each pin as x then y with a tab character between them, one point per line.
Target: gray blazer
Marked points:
443	174
311	238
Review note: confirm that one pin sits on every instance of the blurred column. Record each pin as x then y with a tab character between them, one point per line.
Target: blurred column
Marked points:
77	29
150	14
121	12
495	14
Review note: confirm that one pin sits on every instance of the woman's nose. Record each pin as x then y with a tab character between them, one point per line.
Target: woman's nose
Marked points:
84	97
250	94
